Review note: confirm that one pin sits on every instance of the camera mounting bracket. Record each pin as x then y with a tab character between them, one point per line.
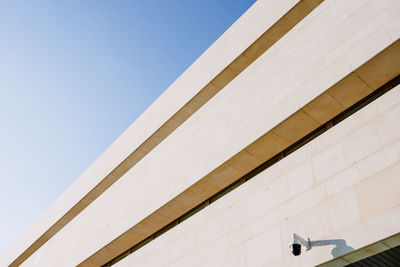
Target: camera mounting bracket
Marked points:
304	242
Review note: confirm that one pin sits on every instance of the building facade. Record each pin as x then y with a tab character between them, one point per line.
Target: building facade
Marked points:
289	123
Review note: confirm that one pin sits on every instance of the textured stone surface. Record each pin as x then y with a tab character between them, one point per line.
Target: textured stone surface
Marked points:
334	208
339	53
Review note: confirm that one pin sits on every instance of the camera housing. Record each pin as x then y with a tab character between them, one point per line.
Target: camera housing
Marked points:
298	241
295	249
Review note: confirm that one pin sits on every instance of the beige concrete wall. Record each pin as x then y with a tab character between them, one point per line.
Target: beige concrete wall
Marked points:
242	33
345	184
336	38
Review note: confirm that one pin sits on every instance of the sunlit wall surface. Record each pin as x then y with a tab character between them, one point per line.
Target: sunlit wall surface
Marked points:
287	124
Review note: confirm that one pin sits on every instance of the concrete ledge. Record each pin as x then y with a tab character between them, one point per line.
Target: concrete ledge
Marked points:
364	252
281	82
276	87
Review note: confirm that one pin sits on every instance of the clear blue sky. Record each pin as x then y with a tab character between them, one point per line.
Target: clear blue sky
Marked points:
75	74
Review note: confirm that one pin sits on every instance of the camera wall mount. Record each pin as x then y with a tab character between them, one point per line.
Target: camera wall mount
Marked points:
297	242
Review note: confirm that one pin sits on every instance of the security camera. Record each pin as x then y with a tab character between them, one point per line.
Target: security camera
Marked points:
298	241
295	247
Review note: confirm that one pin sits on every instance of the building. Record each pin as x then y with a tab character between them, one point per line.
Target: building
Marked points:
288	123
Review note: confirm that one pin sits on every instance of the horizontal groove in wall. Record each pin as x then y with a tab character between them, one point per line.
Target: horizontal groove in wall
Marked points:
320	130
262	44
345	93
